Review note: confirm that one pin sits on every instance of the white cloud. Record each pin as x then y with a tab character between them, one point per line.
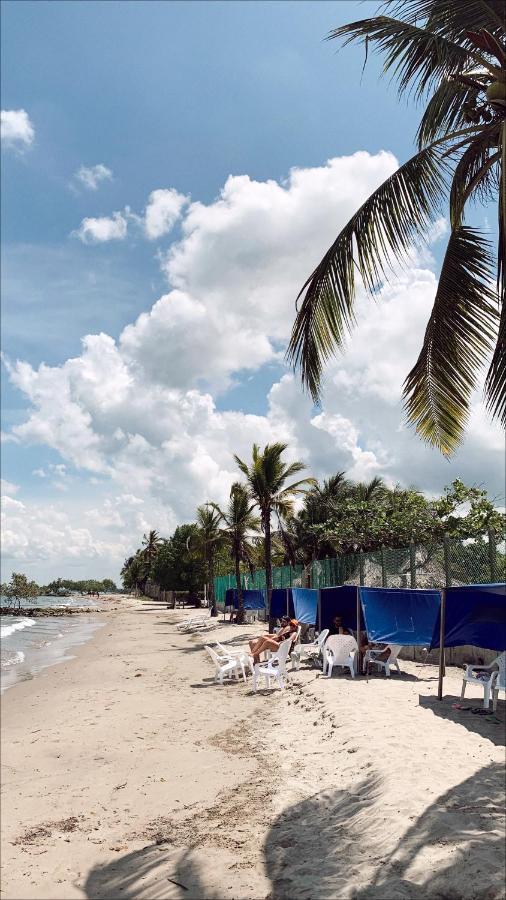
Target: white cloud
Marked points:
162	212
7	488
92	176
16	129
104	228
141	412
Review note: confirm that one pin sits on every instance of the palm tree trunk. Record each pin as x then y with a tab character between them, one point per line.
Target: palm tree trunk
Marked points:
240	597
268	567
210	587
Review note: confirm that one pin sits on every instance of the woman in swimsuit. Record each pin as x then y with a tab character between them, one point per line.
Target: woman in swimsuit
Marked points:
272	641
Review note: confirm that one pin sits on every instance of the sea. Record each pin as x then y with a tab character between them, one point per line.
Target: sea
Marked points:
29	644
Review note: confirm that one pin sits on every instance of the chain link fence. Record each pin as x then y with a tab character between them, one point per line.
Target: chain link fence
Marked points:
454	562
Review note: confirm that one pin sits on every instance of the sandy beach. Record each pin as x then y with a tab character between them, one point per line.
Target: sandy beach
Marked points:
128	773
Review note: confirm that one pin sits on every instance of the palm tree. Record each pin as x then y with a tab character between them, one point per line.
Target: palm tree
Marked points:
369	491
209	537
240	522
453	53
134	572
266	477
151	542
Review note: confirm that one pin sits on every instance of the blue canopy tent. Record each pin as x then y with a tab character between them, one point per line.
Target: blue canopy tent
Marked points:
475	614
400	616
340	601
305	602
282	603
252	599
472	614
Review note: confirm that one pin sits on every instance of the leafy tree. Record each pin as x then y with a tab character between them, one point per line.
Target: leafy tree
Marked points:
266	478
178	566
20	589
240	522
209	538
134	573
453	53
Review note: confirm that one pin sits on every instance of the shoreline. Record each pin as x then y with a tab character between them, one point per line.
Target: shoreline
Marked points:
141	778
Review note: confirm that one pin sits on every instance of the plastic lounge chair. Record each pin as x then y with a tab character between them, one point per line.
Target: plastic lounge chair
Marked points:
275	667
492	680
339	650
370	658
225	665
313	650
239	653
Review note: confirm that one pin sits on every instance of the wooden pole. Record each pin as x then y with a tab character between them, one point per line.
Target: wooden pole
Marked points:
359	655
442	618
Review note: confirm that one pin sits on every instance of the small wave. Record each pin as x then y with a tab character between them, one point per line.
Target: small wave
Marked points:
15	660
6	630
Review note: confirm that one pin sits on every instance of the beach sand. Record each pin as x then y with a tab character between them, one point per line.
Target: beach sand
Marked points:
127	773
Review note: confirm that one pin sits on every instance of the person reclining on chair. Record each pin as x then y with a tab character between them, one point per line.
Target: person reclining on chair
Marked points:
272	641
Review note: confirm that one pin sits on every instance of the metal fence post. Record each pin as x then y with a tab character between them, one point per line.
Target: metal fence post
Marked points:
361	568
492	555
412	563
383	567
446	556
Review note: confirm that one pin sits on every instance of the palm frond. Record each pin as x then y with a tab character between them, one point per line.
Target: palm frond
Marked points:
495	384
377	235
476	174
460	333
451	19
446	110
418	58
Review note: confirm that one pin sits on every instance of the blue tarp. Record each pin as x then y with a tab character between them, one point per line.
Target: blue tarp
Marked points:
476	615
340	601
282	603
252	599
399	616
305	603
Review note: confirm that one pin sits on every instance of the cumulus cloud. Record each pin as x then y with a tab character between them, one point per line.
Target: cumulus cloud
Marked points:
7	488
155	432
16	128
92	176
103	229
162	212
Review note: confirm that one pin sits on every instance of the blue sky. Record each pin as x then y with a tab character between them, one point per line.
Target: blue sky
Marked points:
177	96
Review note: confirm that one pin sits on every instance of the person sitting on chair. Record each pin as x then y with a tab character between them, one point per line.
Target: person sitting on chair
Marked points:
272	641
337	626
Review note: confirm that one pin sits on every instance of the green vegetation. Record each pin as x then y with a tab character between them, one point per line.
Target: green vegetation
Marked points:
19	590
452	54
335	517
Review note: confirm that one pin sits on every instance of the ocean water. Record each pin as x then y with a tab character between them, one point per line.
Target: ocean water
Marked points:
28	645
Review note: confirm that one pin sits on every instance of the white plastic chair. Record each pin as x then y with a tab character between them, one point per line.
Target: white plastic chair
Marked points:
339	650
275	667
225	665
495	682
239	653
313	649
370	658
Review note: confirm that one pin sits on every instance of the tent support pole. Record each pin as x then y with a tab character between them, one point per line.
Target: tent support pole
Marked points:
442	618
319	610
359	655
287	601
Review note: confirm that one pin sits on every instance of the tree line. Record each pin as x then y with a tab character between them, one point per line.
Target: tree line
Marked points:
262	525
21	590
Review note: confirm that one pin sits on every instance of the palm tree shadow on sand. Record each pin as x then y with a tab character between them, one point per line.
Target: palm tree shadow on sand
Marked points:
333	845
336	845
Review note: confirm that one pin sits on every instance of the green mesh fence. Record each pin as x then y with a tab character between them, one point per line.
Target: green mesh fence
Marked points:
455	562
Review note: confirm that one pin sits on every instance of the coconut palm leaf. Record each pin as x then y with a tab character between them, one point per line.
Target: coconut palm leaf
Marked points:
460	333
451	19
375	239
416	57
476	173
447	109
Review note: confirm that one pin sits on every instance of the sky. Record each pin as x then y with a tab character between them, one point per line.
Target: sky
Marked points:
171	173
